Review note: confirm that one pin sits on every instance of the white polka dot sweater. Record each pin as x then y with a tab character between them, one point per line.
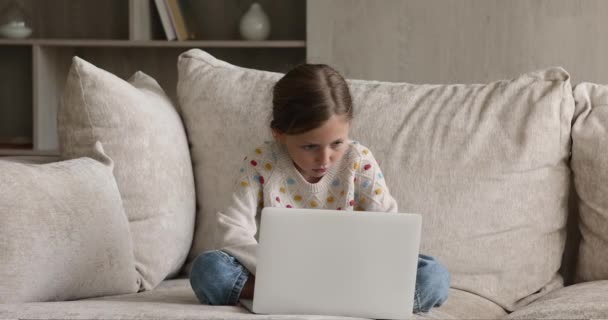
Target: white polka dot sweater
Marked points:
268	178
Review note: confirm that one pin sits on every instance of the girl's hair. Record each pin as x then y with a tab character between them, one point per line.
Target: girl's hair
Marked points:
307	96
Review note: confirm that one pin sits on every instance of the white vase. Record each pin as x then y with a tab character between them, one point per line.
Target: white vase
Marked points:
255	24
14	22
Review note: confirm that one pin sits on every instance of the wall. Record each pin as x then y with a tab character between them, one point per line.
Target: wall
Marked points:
446	41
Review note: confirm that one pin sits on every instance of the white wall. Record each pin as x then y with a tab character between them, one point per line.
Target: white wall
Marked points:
447	41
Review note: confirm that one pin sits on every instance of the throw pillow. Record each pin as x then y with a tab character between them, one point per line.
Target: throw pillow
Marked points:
590	166
64	234
143	133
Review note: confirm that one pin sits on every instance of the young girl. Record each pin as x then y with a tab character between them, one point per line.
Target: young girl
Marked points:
311	164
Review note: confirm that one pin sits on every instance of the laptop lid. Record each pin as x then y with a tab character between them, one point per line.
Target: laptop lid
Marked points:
327	262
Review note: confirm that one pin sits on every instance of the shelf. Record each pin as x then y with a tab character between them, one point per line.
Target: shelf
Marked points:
34	70
29	152
157	43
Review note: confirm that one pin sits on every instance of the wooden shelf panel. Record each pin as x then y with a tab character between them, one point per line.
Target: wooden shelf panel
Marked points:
157	43
29	152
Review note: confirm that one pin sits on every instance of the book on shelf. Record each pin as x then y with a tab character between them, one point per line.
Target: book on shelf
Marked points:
189	18
177	18
165	19
140	27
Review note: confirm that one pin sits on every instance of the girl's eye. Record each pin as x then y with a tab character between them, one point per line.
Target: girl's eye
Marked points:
309	147
337	144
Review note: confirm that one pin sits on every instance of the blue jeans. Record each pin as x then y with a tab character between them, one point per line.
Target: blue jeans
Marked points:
217	278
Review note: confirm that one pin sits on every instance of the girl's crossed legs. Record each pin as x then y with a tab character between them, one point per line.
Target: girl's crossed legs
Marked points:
217	278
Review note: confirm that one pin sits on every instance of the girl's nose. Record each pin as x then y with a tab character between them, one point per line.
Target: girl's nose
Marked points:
324	157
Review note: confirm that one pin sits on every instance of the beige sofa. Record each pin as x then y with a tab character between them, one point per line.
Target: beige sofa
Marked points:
505	174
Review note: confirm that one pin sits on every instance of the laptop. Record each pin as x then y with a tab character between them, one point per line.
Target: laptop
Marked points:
339	263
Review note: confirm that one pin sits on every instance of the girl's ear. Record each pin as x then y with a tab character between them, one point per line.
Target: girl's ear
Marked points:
278	135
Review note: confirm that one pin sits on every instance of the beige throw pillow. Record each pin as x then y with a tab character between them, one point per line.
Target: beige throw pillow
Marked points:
143	133
590	166
486	164
63	232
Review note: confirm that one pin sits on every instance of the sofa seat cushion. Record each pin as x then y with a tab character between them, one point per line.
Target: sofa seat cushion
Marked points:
174	299
581	301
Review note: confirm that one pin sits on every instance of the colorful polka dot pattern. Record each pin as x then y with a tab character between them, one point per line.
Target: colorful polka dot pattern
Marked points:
360	187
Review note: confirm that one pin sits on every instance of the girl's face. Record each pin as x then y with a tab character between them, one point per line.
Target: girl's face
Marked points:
315	151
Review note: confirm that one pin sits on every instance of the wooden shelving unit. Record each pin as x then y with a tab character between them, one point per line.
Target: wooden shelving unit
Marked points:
33	71
156	43
21	152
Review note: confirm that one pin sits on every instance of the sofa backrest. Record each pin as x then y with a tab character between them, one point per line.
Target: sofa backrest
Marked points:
487	165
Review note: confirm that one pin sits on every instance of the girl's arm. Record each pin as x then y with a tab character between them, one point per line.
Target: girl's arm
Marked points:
237	224
372	193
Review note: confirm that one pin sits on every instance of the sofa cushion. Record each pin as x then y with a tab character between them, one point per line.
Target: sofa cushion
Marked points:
143	133
174	299
486	165
580	301
63	232
590	166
